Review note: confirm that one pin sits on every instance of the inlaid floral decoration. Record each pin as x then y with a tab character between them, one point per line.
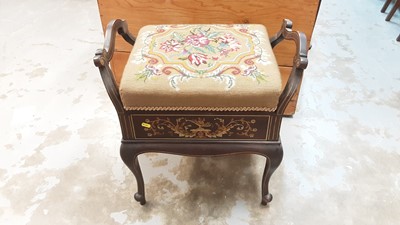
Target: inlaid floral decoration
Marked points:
192	51
200	127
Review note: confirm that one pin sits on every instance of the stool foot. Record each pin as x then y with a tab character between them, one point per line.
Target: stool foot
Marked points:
140	198
266	199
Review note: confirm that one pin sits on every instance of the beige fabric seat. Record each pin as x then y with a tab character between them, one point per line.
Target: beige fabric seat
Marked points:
201	67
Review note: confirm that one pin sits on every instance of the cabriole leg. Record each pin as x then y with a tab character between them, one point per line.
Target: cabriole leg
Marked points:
130	158
273	160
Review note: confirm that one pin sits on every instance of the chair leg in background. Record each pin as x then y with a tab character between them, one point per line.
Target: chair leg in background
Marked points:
394	9
387	3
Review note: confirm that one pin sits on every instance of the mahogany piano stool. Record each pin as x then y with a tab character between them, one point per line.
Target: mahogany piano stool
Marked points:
201	90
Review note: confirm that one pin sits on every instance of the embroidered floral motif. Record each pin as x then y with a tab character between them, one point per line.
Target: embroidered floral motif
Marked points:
170	45
197	40
219	52
198	58
201	45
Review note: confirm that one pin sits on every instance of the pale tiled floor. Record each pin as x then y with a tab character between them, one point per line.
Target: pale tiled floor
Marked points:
59	136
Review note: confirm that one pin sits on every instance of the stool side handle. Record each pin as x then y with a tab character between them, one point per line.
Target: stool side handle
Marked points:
300	39
106	54
103	57
300	62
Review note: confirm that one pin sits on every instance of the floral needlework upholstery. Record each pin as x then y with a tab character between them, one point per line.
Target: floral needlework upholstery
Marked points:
201	67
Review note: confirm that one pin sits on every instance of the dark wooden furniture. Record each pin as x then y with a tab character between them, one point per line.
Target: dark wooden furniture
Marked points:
392	11
396	6
385	6
254	132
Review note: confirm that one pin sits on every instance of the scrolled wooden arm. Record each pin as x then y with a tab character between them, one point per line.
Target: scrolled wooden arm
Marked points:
104	56
300	61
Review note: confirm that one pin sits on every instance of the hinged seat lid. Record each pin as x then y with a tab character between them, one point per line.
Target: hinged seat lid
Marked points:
210	67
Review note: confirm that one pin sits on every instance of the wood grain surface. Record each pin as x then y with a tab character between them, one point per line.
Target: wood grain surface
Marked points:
270	13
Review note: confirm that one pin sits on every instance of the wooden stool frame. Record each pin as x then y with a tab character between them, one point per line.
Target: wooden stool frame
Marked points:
270	147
